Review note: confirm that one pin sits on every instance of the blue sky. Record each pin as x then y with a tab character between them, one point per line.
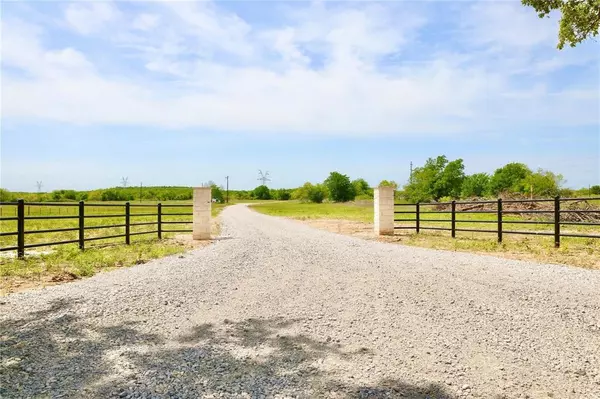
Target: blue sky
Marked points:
178	93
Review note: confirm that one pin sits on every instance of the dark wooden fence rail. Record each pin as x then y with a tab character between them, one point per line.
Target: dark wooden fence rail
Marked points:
81	215
499	221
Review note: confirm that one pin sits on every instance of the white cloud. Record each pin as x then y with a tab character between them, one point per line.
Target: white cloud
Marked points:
90	17
347	70
145	22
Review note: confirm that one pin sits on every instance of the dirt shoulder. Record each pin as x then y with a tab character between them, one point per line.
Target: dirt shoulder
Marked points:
537	249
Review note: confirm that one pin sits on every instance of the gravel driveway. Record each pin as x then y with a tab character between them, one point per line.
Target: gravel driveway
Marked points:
277	309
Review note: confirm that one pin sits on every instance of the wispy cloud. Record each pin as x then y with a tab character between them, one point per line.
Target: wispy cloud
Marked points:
318	68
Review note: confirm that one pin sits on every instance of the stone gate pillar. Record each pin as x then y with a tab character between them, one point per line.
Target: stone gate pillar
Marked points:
384	210
201	218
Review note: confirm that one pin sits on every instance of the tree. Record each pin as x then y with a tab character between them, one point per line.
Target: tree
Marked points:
510	177
436	179
580	19
421	186
476	185
217	193
262	192
339	187
282	194
595	190
317	193
449	183
310	193
543	183
388	183
361	187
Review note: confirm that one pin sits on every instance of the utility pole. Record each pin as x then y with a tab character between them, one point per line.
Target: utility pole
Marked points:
263	177
411	171
39	185
227	195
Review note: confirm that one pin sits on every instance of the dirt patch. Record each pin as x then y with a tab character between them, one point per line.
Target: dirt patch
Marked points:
537	249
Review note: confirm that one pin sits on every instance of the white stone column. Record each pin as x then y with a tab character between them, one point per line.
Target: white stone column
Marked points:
384	210
202	206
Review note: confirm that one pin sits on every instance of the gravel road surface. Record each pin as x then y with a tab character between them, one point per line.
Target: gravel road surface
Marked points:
275	309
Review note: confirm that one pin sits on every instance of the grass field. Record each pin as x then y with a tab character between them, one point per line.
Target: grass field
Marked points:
51	264
575	251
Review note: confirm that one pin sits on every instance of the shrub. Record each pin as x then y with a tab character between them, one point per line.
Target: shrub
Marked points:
6	196
317	193
595	190
262	193
283	194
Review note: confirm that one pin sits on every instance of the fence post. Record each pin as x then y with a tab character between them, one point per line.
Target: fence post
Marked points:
159	228
499	219
418	217
127	214
81	225
453	219
383	208
21	228
201	209
557	221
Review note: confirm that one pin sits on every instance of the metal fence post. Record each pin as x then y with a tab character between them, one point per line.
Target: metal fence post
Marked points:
81	225
417	217
499	219
557	221
159	208
127	214
21	228
453	219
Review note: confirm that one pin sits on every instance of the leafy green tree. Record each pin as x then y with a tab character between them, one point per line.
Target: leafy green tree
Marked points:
543	183
421	186
302	193
310	193
282	194
217	193
388	183
449	182
317	193
262	193
511	177
339	187
475	185
361	187
580	19
436	179
595	190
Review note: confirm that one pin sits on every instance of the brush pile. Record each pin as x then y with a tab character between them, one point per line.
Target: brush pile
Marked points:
584	211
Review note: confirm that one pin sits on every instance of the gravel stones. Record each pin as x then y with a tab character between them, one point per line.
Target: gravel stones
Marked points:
280	310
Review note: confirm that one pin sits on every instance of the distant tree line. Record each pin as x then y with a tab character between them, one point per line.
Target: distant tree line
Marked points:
441	179
438	179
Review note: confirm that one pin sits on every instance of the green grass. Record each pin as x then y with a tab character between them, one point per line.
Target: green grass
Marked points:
68	262
98	212
362	212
